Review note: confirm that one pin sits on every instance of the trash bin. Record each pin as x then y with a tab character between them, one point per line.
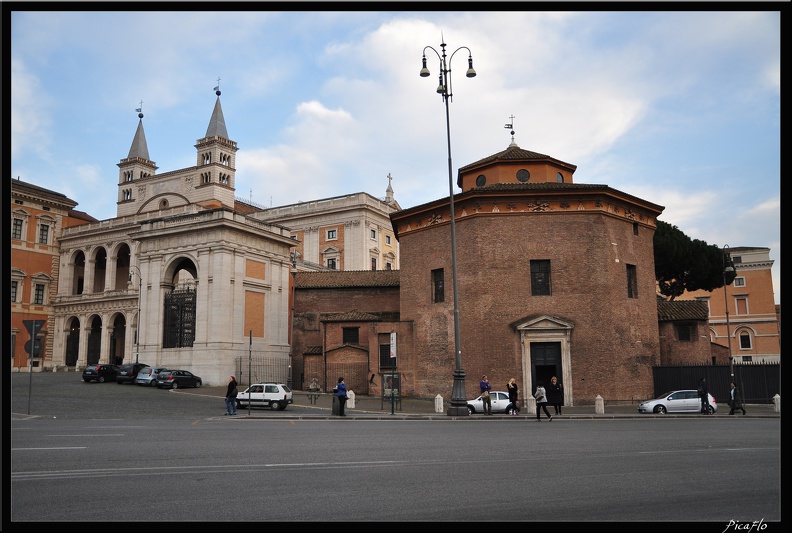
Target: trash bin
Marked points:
336	403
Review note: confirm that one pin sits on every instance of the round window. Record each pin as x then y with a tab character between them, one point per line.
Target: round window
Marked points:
481	180
559	178
523	175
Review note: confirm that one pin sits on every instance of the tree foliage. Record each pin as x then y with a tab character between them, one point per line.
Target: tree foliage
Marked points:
685	264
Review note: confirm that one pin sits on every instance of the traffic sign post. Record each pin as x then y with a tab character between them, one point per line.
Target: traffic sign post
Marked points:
32	347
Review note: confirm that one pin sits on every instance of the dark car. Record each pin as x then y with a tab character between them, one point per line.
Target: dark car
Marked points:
128	373
175	379
100	373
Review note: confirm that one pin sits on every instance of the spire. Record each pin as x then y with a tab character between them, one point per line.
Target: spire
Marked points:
139	147
510	126
217	123
389	191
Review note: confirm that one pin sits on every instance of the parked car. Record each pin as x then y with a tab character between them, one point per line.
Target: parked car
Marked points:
100	373
276	396
678	401
174	379
148	375
500	403
128	373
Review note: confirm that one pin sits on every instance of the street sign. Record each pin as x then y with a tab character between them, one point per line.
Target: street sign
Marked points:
34	327
36	349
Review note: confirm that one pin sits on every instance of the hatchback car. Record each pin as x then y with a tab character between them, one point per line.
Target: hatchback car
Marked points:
174	379
100	373
148	375
128	373
276	396
500	403
678	401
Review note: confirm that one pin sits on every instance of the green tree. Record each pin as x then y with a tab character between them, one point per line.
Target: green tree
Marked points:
685	264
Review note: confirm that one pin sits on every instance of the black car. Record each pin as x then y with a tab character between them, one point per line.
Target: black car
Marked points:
100	373
174	379
128	373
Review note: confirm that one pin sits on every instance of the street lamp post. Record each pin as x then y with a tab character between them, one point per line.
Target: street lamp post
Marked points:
458	405
140	296
293	272
728	268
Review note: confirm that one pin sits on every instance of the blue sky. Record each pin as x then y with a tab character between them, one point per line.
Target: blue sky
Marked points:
679	108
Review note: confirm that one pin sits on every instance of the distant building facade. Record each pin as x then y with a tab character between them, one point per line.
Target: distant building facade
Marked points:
39	217
754	330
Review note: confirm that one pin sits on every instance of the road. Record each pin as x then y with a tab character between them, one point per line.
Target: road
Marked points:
156	462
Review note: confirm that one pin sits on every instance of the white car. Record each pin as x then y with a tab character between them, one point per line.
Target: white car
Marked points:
276	396
678	401
500	403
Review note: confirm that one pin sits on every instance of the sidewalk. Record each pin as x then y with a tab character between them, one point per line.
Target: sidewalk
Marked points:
423	408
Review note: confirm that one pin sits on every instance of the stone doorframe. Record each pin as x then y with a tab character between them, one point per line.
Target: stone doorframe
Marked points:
546	328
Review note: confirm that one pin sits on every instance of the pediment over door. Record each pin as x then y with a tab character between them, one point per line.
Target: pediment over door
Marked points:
543	323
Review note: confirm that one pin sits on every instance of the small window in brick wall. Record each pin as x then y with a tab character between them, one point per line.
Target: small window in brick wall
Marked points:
685	332
351	335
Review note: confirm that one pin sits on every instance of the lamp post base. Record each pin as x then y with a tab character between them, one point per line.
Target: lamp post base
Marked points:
458	405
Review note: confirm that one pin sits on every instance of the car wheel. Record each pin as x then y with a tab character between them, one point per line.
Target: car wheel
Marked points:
471	410
101	379
198	384
660	410
153	383
274	406
710	410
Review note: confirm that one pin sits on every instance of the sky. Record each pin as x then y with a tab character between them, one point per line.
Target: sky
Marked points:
679	108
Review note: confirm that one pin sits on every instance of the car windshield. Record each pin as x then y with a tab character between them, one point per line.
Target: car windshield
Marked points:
664	395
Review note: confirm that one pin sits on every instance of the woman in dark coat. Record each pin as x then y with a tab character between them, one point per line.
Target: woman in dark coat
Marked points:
735	399
514	391
555	394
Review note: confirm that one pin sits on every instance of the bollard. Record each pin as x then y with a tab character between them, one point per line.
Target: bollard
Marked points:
777	403
438	404
599	405
350	399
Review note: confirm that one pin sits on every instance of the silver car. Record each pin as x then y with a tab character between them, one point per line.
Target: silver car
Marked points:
678	401
148	375
500	403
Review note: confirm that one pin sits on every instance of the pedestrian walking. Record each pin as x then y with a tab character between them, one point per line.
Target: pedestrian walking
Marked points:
704	396
555	394
514	390
230	397
735	399
541	401
342	396
486	401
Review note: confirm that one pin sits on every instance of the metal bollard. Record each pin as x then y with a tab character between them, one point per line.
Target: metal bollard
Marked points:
777	403
438	404
599	405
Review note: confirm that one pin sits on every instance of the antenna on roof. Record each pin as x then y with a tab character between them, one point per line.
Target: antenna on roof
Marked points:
139	110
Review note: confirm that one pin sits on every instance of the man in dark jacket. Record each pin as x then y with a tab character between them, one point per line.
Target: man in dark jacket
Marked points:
704	396
735	399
